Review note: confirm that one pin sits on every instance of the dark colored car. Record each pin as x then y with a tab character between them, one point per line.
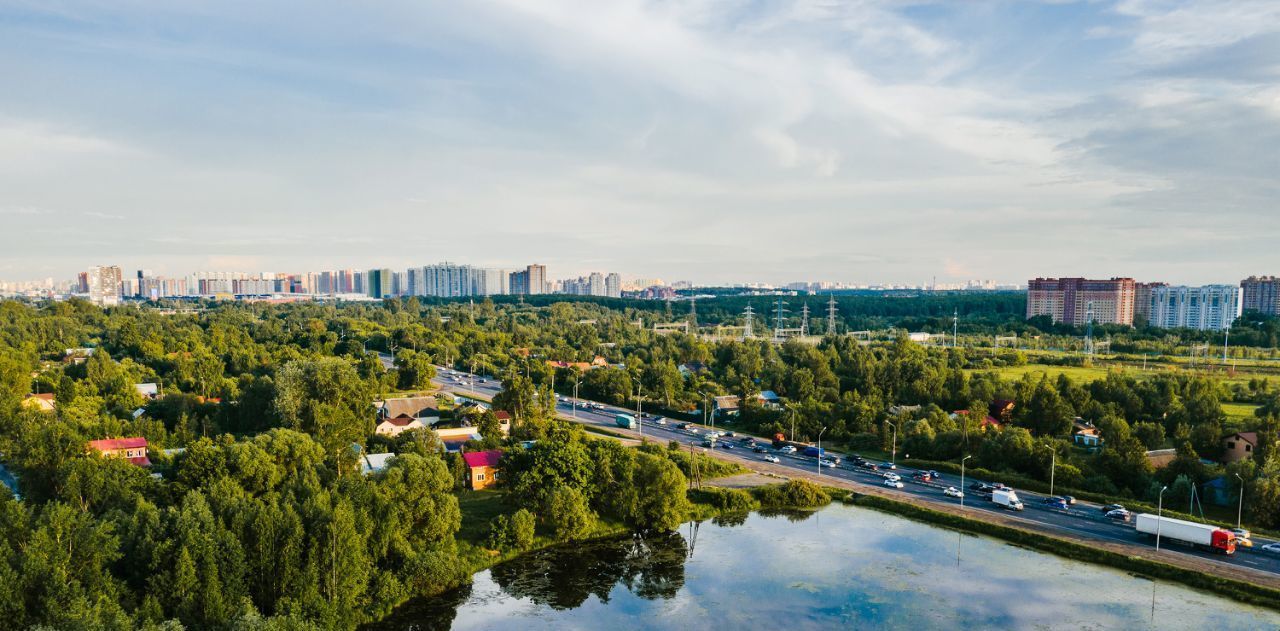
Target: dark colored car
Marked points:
1120	515
1112	507
1069	499
758	450
1055	502
726	445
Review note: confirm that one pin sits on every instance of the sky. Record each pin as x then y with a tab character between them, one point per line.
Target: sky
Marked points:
708	140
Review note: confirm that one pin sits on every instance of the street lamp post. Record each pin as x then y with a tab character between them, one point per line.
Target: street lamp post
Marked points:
575	399
962	488
1053	466
1240	506
893	452
639	414
824	428
1159	518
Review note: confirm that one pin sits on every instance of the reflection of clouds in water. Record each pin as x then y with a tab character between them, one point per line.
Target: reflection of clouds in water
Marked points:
855	568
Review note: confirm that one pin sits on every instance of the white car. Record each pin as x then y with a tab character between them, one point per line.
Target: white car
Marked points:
952	491
826	463
893	484
660	421
893	476
789	449
772	458
1273	548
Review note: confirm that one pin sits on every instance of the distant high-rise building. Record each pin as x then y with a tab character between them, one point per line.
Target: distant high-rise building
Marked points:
104	285
1142	300
1208	308
140	287
519	282
1261	294
613	285
449	280
1077	300
490	282
595	284
377	283
530	281
82	283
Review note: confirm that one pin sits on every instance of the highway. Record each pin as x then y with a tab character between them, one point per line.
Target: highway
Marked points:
1082	519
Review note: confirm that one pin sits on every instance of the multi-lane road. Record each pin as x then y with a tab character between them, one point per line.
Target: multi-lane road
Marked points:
1084	520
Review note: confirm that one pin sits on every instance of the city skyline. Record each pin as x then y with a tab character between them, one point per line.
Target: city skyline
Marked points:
769	142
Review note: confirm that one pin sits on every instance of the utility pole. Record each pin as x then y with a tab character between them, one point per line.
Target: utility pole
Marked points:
962	489
1053	466
1159	518
893	455
1226	336
824	428
1240	507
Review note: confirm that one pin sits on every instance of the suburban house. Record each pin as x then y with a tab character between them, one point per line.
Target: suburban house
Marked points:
899	410
688	369
987	421
375	463
596	362
148	390
134	449
504	419
1085	434
482	468
1239	446
423	409
727	405
454	438
76	355
769	399
1001	409
43	402
394	426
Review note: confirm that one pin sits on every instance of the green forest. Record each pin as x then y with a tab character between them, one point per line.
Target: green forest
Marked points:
254	513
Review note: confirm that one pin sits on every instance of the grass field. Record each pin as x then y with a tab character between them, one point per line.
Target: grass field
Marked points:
1078	374
1239	411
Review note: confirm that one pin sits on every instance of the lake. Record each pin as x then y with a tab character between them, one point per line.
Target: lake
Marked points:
839	568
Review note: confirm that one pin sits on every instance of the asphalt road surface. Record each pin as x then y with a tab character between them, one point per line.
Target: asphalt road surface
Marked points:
1082	519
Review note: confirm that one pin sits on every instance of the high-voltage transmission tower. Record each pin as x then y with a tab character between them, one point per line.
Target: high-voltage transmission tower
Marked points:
1088	334
804	320
748	316
831	315
777	321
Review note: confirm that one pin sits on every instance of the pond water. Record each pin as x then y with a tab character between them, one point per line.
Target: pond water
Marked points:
839	568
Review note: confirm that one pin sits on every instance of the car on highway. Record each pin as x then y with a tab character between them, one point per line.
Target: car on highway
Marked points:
1120	515
758	449
683	426
826	463
1071	501
660	421
1273	548
1243	537
893	476
772	458
893	484
1055	503
726	445
1113	507
869	466
788	449
952	491
889	465
729	434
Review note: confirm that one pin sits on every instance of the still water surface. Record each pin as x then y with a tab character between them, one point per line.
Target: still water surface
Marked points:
840	568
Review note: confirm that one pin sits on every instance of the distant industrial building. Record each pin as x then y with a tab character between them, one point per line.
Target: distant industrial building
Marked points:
1207	308
1261	294
1080	300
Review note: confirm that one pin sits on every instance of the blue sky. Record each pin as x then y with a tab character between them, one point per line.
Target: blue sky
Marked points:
708	140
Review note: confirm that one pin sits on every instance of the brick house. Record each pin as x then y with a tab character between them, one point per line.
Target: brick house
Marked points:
1239	446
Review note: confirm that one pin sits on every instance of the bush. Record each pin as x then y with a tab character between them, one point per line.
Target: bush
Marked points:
566	514
727	500
792	494
522	525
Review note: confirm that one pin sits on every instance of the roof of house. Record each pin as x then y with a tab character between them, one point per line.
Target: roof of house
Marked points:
413	407
47	396
987	420
401	421
502	415
768	395
147	389
726	401
1248	437
482	458
371	463
109	444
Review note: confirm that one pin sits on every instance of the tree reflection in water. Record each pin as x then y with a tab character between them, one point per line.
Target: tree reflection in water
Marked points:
790	514
650	567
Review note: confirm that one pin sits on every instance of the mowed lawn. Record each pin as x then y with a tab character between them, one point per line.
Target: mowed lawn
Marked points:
1239	411
1076	373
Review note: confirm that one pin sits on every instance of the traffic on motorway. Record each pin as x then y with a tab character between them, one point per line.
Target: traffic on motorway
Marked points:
1110	522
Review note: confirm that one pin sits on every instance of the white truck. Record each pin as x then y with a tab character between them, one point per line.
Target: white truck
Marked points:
1188	532
1006	498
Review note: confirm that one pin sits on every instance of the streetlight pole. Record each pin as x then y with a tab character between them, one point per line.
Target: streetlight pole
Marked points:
575	399
824	428
1159	518
1240	507
639	414
893	453
962	487
1053	466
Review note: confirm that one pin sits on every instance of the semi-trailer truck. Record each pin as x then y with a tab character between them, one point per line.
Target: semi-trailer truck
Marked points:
625	420
1188	532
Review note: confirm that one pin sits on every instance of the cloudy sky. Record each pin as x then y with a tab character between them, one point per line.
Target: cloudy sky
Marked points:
715	141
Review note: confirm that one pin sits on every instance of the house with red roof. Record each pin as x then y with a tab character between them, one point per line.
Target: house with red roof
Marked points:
482	468
134	449
987	421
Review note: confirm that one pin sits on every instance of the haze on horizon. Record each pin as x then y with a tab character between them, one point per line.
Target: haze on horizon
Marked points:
710	141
